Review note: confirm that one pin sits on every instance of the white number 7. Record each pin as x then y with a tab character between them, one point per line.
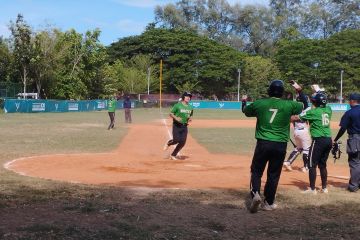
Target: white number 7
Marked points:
273	114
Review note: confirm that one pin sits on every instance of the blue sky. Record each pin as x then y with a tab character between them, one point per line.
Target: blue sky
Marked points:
115	18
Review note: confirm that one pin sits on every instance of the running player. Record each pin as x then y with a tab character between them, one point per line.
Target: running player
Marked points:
181	114
319	119
301	135
272	133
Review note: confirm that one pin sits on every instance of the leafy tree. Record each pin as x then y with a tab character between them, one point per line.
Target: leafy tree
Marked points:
187	58
5	61
21	34
257	73
45	59
82	63
320	61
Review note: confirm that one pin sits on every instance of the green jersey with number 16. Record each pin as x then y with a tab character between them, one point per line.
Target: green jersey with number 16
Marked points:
273	118
319	119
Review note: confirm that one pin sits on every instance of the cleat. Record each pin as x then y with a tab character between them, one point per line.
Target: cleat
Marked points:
324	190
267	207
166	146
310	191
255	203
175	158
304	169
287	166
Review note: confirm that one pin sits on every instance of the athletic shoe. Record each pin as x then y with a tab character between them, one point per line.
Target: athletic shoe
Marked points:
255	203
310	191
166	146
267	207
287	166
304	169
174	158
324	190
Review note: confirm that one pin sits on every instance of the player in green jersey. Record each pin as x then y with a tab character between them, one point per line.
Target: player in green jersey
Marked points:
319	120
181	114
111	111
272	133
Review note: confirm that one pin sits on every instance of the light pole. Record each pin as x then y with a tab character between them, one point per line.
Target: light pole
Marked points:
161	68
148	80
238	88
341	85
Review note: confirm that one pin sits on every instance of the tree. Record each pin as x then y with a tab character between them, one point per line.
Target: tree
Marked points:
21	34
312	61
257	73
82	62
187	57
45	59
5	60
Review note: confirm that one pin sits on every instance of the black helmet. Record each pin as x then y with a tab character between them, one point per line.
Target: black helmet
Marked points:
276	88
186	94
319	99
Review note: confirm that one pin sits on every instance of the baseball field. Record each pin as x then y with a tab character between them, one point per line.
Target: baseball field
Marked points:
65	176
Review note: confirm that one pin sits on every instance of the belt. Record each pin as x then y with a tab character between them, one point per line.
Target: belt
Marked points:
299	128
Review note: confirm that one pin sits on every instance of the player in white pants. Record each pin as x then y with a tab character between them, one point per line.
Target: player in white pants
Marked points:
301	135
302	141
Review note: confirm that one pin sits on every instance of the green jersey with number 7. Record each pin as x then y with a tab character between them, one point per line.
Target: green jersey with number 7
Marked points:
319	119
273	117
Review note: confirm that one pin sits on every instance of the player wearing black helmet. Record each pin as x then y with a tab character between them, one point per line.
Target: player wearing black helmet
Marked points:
181	114
272	133
319	119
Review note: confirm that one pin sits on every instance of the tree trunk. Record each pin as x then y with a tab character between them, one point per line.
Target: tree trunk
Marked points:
24	80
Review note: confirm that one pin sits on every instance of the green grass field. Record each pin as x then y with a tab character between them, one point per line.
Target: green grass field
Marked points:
32	208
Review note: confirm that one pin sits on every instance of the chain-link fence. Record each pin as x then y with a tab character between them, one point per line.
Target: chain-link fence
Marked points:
9	89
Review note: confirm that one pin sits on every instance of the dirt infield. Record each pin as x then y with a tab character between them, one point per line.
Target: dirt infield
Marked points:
140	161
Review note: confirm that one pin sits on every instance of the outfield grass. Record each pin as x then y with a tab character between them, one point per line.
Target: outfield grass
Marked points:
32	208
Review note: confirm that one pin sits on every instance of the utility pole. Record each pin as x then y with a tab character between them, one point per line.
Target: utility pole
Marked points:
341	85
238	88
161	66
148	80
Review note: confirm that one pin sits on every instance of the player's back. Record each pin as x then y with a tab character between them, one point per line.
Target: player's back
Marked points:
273	117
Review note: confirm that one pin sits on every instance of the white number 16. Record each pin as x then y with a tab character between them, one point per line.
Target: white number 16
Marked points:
273	114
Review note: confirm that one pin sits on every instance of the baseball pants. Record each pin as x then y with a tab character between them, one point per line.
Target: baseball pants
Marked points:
318	155
274	154
303	142
127	115
179	132
112	120
354	164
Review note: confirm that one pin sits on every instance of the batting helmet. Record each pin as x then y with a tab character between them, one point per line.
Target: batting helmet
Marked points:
319	99
186	94
276	88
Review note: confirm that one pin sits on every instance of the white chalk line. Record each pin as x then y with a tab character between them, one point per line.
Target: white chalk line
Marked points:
165	124
8	164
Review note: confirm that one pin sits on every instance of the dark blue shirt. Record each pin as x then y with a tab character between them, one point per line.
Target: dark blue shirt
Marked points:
127	103
351	120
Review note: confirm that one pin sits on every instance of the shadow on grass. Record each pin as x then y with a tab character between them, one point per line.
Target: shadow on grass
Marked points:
68	211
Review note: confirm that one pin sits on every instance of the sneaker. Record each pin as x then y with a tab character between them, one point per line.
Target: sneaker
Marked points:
324	190
255	203
166	146
310	191
304	169
287	166
267	207
174	158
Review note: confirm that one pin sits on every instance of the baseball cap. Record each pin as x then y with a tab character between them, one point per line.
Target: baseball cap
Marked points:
354	96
